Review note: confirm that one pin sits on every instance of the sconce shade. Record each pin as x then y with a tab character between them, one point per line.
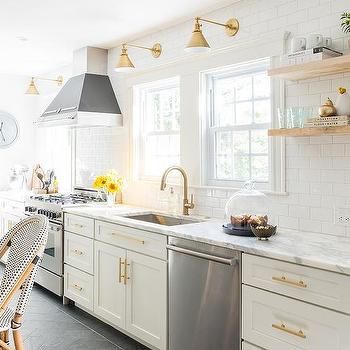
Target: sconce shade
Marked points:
197	43
124	64
32	90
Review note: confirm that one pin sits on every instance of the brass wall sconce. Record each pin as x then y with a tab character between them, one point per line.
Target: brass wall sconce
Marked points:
32	89
125	64
198	43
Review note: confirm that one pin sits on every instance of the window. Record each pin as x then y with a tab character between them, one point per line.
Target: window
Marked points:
239	114
159	127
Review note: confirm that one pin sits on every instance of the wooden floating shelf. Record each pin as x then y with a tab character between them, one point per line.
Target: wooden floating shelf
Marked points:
314	69
300	132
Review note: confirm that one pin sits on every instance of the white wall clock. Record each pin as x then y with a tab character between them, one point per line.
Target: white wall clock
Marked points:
8	129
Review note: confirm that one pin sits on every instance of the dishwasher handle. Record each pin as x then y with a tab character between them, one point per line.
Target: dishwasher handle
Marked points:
215	258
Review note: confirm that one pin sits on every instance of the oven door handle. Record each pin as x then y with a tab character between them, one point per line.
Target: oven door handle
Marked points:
54	227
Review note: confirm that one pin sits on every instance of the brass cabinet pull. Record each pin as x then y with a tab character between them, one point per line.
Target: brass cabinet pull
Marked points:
284	328
77	225
77	287
121	263
128	237
284	279
77	252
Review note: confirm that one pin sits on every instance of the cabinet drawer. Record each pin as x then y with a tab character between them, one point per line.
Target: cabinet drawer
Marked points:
79	224
78	286
138	240
247	346
79	252
276	322
316	286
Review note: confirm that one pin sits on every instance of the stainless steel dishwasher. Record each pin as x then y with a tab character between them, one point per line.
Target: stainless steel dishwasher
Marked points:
204	296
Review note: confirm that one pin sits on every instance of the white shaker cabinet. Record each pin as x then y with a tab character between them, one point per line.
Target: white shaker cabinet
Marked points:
288	306
146	291
109	287
130	291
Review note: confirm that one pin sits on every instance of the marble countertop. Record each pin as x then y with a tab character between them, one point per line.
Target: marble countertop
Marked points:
311	249
13	195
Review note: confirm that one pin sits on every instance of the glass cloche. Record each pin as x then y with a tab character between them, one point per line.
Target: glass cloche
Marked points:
248	208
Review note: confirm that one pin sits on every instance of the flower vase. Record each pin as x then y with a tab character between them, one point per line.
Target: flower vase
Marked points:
110	199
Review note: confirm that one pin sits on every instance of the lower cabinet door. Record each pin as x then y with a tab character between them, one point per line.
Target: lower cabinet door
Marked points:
275	322
146	299
109	284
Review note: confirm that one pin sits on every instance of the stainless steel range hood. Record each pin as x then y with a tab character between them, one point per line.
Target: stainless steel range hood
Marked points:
86	99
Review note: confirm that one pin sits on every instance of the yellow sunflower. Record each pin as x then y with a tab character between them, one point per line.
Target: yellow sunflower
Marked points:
100	182
112	187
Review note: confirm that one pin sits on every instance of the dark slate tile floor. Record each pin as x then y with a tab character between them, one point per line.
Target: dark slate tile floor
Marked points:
49	325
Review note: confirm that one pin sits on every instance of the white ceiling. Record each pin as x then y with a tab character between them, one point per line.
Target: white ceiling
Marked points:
39	36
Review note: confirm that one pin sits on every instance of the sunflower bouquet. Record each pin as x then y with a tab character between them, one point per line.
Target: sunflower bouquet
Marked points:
110	183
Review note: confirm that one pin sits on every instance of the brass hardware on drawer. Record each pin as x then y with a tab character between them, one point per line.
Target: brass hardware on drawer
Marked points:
120	271
77	225
283	279
128	237
77	252
77	287
284	328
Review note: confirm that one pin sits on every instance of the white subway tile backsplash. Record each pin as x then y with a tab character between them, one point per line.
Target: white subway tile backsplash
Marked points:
321	163
333	176
321	188
331	229
335	150
298	187
310	199
320	87
310	225
341	139
309	175
341	190
321	140
219	213
321	214
204	211
341	163
298	162
288	222
299	211
310	150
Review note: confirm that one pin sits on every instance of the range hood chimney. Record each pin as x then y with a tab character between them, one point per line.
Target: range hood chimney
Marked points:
87	99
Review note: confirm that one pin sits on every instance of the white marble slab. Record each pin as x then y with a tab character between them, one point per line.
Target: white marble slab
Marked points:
17	196
317	250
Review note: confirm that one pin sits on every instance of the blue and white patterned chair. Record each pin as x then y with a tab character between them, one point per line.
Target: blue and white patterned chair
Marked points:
26	242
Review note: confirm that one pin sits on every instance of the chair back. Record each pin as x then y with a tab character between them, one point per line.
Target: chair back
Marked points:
26	241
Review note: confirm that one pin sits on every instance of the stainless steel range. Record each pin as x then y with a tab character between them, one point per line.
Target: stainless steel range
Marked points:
50	274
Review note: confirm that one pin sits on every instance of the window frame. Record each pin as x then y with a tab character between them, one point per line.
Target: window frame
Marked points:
276	175
139	126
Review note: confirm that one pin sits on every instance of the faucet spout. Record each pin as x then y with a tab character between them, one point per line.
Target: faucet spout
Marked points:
186	204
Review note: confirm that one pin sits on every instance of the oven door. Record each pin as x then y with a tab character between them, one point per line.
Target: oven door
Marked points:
52	258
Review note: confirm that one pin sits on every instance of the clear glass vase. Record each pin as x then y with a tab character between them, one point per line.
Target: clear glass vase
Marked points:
110	199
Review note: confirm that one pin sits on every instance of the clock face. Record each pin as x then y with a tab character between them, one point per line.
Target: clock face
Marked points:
8	129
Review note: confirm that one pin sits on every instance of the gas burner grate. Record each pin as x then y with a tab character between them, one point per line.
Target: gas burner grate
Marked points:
68	198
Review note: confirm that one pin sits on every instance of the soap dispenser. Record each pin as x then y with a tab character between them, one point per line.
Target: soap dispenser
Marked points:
172	202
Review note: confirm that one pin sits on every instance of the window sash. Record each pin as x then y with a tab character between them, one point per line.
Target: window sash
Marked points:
212	128
145	132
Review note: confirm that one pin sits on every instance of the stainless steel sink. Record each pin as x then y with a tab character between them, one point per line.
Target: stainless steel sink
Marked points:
163	219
